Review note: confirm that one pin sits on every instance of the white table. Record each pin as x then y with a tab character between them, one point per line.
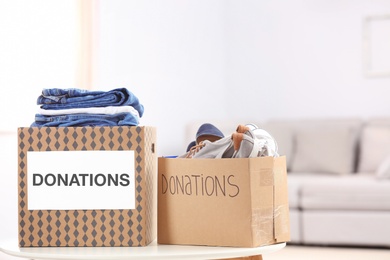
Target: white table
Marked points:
152	251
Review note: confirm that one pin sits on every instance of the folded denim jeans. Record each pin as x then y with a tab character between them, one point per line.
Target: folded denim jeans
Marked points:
89	110
56	98
120	119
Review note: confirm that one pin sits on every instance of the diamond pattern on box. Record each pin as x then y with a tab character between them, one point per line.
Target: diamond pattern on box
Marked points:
82	228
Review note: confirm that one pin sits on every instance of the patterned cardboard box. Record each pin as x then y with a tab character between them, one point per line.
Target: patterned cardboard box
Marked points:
88	227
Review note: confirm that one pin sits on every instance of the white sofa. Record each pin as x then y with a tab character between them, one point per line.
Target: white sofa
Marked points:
338	175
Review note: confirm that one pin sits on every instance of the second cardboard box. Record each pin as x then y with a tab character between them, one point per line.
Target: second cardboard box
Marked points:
223	202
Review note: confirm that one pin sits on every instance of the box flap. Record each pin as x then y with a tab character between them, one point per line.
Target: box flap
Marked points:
281	207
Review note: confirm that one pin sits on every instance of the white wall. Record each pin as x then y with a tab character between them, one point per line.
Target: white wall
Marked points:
37	50
8	187
171	55
294	59
245	60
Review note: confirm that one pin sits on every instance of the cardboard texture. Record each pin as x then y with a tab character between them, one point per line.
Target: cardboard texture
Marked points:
223	202
80	228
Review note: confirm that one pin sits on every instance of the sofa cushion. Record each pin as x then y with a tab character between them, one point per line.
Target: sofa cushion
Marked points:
295	183
326	149
383	170
294	187
374	147
353	192
295	227
350	228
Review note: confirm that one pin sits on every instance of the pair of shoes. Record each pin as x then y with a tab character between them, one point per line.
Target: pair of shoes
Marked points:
205	132
267	143
244	143
207	149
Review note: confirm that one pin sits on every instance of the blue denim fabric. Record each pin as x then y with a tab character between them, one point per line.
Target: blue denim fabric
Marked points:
76	98
120	119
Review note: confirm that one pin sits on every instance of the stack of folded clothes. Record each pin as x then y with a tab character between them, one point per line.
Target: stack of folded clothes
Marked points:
77	107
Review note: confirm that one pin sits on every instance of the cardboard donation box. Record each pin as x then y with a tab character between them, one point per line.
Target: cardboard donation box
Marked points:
87	186
223	202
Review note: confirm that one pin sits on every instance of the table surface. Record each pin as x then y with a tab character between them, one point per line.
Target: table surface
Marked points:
152	251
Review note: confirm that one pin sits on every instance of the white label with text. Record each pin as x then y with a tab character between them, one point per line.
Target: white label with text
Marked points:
80	180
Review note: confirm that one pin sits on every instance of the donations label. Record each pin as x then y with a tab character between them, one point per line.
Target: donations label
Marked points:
80	180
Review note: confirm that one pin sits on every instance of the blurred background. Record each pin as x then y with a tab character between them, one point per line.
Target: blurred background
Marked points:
192	60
